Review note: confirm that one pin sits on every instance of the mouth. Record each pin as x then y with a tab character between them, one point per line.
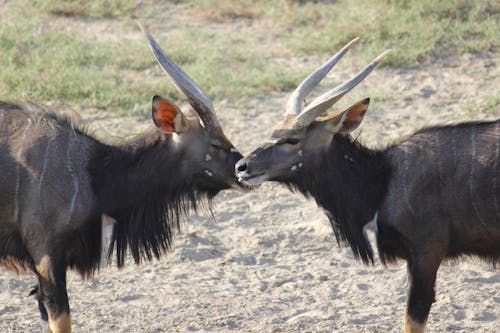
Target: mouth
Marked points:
242	186
252	181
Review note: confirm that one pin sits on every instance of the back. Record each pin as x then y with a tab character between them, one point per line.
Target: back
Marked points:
448	179
43	162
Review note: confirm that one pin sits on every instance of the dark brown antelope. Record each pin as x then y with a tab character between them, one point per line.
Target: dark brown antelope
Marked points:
57	181
433	195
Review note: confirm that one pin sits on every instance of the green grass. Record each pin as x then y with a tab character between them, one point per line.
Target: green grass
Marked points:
489	106
79	8
45	61
50	65
417	31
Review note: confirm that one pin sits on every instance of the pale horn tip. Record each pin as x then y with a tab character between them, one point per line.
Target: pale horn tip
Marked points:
144	29
141	26
352	43
382	56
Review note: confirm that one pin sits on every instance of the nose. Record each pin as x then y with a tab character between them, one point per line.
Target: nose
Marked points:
241	166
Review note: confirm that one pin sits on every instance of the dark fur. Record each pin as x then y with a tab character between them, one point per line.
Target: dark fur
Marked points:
147	215
143	184
434	192
341	189
145	212
13	254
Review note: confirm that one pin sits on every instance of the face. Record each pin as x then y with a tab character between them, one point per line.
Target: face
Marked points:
283	156
207	155
290	151
211	158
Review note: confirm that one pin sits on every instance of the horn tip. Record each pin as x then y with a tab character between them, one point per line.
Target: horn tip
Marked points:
143	28
382	56
352	43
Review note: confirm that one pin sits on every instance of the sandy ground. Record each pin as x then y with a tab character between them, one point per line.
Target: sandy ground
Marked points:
269	261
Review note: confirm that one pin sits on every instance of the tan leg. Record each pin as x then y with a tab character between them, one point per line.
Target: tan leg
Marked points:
411	326
61	324
53	295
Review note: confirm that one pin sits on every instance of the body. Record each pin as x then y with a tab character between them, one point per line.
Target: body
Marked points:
44	180
444	190
58	182
433	195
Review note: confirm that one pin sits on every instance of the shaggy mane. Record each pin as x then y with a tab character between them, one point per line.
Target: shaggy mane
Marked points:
346	168
147	230
147	216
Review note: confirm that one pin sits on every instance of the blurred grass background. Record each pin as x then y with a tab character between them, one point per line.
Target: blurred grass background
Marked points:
90	53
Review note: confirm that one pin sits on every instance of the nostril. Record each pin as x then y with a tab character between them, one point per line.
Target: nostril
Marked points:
242	167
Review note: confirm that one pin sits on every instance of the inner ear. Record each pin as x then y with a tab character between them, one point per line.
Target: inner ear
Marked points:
347	120
167	116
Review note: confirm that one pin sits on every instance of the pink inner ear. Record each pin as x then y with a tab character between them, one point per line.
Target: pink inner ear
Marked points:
354	116
164	114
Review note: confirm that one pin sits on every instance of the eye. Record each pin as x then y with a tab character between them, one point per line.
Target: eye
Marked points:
217	147
292	141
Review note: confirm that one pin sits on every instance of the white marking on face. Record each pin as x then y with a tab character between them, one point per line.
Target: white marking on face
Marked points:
71	172
257	180
243	174
293	168
299	153
233	150
208	157
300	165
209	173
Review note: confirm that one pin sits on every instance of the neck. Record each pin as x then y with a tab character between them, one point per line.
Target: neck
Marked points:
140	184
130	174
350	186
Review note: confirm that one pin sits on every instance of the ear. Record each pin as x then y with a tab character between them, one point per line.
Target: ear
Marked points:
167	116
347	120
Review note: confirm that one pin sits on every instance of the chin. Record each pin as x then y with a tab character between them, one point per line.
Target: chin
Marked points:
213	186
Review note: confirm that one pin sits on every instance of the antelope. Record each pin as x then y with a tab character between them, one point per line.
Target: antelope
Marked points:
57	181
433	195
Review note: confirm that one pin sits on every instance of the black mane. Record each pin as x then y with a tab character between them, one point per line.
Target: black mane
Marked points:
147	229
346	168
146	204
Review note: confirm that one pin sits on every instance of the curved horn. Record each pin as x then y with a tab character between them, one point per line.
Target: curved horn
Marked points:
326	100
195	95
294	105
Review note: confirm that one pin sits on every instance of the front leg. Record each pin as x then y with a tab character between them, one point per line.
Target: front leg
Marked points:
53	297
422	272
44	317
